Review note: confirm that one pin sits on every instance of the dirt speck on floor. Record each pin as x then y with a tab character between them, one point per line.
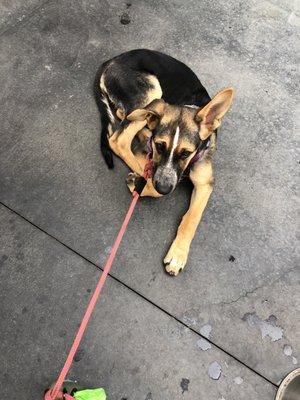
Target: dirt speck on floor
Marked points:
184	384
125	19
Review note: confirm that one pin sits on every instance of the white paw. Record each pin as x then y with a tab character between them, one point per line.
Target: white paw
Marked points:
130	180
176	258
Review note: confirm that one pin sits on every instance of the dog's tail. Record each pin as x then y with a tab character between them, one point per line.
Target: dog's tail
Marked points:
104	144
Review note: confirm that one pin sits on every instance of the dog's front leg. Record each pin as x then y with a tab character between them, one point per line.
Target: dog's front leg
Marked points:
120	143
202	178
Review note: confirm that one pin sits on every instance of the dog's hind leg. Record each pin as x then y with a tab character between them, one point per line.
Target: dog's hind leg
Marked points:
105	121
121	143
148	190
104	143
202	178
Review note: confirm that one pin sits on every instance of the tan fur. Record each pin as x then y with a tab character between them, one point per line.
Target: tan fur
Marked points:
171	113
202	178
211	115
120	114
144	134
120	143
163	139
184	144
155	92
188	117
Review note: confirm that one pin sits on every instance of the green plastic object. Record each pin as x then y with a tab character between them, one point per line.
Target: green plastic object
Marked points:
90	394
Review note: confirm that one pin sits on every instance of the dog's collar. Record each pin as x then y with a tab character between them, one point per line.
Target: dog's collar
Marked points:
149	148
200	152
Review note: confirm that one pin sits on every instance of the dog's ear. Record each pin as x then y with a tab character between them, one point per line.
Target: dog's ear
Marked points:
152	113
211	115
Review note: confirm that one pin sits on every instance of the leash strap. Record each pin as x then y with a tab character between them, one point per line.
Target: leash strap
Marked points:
142	180
56	393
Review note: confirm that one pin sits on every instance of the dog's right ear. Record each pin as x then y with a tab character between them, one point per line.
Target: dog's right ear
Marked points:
152	113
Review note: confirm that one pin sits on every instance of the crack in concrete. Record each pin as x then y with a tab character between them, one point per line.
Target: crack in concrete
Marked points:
248	292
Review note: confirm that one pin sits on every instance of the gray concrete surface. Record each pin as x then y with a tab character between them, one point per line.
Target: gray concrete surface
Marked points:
131	348
52	173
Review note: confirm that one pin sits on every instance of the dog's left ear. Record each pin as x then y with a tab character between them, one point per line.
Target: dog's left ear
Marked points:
152	113
211	115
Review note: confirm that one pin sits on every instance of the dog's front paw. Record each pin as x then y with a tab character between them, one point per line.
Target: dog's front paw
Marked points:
130	180
176	258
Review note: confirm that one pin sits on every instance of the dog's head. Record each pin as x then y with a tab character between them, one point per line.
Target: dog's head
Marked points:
178	133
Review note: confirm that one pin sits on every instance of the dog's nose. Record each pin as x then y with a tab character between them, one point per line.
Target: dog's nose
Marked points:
163	188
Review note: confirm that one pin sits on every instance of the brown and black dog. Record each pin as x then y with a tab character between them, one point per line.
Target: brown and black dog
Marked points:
149	97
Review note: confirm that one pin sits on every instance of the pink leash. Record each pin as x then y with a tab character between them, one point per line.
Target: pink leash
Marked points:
55	393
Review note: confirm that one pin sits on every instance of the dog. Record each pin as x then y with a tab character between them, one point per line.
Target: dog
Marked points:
151	102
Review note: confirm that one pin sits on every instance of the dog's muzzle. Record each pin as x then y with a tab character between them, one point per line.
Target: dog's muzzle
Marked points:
165	180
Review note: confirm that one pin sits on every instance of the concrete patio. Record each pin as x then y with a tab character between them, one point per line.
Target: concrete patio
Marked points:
236	305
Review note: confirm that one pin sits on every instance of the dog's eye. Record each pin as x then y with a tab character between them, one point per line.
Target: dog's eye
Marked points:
160	147
184	154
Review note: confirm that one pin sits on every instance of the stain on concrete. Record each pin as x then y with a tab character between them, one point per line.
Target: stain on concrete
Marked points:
79	355
288	351
214	370
268	327
206	330
42	299
3	259
103	255
20	256
203	344
154	276
125	19
238	380
189	320
294	19
184	384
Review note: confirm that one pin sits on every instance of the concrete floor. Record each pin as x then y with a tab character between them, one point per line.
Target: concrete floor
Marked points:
61	207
